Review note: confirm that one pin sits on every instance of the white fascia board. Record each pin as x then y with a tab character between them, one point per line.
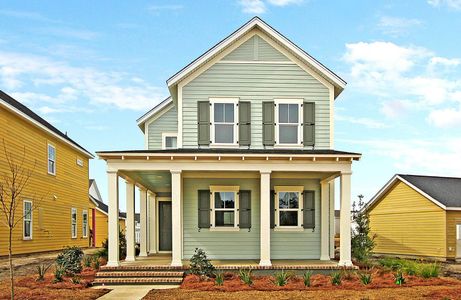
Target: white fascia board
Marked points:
153	112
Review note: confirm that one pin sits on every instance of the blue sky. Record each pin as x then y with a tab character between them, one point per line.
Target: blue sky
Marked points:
93	67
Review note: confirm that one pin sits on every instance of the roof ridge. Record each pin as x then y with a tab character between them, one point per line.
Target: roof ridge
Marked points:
430	176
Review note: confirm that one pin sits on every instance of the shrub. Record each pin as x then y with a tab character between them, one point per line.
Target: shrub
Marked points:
362	240
87	260
429	270
41	271
219	279
245	276
365	278
281	278
96	263
75	280
336	278
58	273
104	251
200	264
307	278
399	278
70	259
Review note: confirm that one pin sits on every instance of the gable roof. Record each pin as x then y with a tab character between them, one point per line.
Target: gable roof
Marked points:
23	111
104	208
445	192
159	107
256	22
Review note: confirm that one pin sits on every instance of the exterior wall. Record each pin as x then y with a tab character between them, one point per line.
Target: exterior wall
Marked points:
167	122
102	227
255	82
453	218
406	223
255	49
52	220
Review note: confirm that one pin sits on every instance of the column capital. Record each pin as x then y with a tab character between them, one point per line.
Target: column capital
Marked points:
346	173
112	172
265	171
176	171
151	193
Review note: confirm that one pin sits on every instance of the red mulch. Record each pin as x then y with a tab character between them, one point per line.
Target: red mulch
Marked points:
318	282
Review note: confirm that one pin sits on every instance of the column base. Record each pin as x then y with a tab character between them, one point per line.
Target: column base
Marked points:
265	263
143	254
325	257
113	264
345	263
175	263
130	258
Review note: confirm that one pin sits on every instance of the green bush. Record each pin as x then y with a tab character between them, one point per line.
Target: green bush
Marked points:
336	278
429	270
58	273
365	278
75	280
200	264
281	278
104	251
399	278
70	259
245	276
219	279
41	271
411	267
362	240
95	263
307	278
87	260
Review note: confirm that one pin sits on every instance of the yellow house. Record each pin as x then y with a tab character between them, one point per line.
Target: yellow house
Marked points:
99	216
418	216
57	190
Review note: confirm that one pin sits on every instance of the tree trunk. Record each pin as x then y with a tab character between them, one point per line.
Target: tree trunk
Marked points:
10	259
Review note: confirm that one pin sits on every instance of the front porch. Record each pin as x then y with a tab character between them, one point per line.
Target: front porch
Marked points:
178	178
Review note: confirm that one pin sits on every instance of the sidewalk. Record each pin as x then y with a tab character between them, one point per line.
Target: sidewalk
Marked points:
130	292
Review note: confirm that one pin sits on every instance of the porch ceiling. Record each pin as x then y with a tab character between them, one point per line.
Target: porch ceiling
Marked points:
155	181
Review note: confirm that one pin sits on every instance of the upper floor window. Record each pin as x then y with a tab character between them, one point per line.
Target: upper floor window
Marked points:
27	220
51	159
224	120
288	120
169	140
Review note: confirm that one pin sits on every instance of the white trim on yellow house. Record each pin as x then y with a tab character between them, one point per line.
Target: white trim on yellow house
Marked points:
28	238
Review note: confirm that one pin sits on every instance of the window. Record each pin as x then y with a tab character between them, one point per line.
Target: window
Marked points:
224	203
85	223
73	225
288	122
224	119
169	140
79	162
289	202
27	220
51	159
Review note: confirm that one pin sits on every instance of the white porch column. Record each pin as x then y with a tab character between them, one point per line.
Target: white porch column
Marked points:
152	222
176	199
332	219
265	238
130	227
345	221
324	219
113	238
143	221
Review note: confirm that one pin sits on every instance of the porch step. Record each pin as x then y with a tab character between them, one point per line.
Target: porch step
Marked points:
153	280
139	275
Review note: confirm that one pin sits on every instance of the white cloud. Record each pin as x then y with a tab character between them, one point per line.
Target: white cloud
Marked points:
69	83
367	122
445	118
397	26
284	2
453	4
436	60
253	6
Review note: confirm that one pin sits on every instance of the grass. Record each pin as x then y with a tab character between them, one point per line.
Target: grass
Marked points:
219	279
281	278
307	278
365	278
245	276
411	267
336	278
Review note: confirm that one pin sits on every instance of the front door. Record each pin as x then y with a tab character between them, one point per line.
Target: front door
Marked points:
458	240
164	225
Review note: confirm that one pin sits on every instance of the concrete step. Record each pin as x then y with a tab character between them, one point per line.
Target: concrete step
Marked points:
116	274
140	280
143	268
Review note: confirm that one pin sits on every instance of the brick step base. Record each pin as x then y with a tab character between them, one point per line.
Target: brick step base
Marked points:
137	274
140	280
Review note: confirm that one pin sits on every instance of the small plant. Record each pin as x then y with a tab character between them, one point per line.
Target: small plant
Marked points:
429	270
281	278
362	240
75	280
245	276
219	279
70	259
336	278
41	271
347	274
87	260
365	278
200	264
58	273
95	263
399	278
307	278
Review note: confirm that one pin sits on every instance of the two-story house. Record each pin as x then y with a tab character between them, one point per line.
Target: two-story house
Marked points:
240	159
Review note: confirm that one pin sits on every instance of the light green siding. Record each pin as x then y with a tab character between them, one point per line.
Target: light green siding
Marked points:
244	244
167	122
256	83
255	49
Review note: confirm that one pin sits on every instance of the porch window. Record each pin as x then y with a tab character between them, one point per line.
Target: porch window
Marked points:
289	205
51	159
288	122
224	212
85	223
73	224
169	140
27	220
224	120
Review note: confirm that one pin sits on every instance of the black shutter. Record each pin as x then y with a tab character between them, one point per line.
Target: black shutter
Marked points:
245	209
308	123
203	209
309	209
203	123
245	123
272	208
268	123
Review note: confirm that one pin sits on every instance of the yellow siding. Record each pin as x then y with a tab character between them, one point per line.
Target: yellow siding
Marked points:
102	228
406	223
52	222
453	218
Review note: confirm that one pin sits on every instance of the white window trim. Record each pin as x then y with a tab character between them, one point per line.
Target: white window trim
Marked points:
296	189
235	101
48	158
72	210
169	134
27	238
85	226
213	190
300	120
